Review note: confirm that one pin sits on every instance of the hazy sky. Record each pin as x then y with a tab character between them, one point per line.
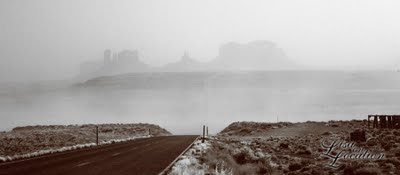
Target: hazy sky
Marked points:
48	39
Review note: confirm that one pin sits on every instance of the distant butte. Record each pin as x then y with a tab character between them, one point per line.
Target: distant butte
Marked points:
256	55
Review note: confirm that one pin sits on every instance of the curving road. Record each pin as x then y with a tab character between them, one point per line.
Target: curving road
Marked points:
141	156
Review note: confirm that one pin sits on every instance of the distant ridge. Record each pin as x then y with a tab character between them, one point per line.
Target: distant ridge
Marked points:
334	80
256	55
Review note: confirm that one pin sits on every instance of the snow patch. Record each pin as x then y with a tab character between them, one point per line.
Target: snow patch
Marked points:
189	163
3	159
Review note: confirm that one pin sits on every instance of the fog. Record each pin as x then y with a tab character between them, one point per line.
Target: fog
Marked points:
48	39
184	63
182	102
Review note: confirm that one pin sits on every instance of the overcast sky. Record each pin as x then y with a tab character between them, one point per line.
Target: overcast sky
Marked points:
48	39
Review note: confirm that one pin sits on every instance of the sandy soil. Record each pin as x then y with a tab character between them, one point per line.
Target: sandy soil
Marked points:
22	140
296	148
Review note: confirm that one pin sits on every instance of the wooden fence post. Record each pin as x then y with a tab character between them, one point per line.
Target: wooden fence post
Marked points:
368	120
97	135
204	128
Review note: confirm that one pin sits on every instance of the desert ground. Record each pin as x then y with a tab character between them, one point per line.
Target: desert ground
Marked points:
297	148
242	147
29	139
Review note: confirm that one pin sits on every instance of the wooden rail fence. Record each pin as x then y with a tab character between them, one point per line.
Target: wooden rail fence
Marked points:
385	121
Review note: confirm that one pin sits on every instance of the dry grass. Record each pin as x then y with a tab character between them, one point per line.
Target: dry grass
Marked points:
22	140
295	148
224	157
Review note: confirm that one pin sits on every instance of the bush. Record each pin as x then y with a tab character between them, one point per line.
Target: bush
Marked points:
350	169
326	133
245	131
284	145
245	169
367	171
240	158
239	163
294	166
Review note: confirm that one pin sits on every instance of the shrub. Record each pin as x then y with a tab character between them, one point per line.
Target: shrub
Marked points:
284	145
245	131
326	133
237	161
294	166
367	171
240	158
245	169
351	168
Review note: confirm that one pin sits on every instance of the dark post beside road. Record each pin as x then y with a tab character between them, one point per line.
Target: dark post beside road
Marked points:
204	128
368	120
389	121
97	135
375	121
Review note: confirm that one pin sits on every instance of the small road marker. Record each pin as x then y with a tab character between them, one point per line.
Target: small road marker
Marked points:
116	154
83	164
